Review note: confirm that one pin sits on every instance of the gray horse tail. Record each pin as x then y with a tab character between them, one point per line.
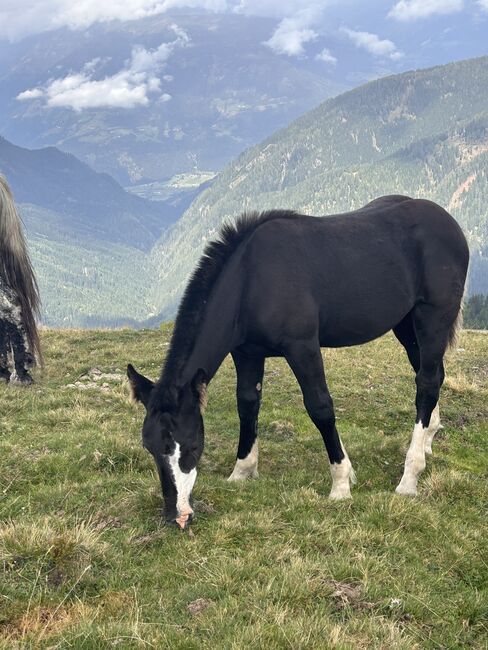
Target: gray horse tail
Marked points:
16	268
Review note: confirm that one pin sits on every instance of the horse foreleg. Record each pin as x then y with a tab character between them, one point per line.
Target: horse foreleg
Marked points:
4	349
305	359
23	359
249	388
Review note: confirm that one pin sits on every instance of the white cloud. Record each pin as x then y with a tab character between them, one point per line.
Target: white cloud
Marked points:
277	8
128	88
326	56
295	31
35	93
483	4
19	18
289	38
373	44
406	10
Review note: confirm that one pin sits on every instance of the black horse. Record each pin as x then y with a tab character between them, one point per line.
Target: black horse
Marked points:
19	296
283	284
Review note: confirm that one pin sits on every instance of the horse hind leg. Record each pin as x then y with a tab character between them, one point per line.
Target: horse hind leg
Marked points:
432	337
405	333
434	426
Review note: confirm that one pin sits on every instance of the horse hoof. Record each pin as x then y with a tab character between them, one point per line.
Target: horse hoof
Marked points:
406	491
340	495
239	477
233	478
24	380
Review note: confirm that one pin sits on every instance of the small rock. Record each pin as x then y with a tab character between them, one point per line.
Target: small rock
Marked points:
198	605
395	602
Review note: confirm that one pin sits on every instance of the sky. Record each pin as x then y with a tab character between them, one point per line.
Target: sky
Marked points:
298	23
378	29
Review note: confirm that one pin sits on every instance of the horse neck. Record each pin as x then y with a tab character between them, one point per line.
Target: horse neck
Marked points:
219	333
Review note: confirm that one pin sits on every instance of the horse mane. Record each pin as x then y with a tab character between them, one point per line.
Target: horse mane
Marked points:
16	268
192	306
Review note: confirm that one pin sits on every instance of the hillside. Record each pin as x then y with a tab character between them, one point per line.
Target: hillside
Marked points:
220	91
87	236
96	204
422	133
86	562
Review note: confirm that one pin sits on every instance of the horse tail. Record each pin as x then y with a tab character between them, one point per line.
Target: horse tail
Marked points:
16	268
456	327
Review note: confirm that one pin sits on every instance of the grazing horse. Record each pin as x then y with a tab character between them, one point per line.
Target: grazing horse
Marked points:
284	284
19	296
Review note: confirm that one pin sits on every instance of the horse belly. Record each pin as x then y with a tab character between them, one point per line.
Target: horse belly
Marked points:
361	317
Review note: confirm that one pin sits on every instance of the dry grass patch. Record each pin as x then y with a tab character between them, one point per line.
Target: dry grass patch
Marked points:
51	547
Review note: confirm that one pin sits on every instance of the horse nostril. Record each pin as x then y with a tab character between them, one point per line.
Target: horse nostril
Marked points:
184	521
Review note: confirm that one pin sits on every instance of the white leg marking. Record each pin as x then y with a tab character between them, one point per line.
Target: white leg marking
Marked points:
434	426
414	461
246	467
342	477
184	482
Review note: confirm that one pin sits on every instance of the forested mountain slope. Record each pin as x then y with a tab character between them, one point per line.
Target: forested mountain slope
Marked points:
422	133
89	238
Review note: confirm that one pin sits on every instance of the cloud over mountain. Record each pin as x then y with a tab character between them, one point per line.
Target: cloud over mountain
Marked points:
292	33
406	10
130	87
19	18
373	44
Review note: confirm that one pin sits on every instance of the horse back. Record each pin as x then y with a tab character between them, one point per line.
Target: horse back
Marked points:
350	277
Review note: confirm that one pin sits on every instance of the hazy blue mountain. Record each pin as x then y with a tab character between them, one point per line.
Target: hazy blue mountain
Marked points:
89	238
95	203
422	133
228	91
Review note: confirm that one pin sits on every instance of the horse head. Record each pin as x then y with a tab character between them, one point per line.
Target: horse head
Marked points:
173	433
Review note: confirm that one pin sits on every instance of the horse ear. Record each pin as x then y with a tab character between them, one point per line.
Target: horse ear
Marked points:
199	386
140	386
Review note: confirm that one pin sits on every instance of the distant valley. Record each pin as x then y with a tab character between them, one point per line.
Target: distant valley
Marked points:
89	238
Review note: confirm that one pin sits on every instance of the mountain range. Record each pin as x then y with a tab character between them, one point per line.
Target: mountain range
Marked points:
108	257
213	89
421	133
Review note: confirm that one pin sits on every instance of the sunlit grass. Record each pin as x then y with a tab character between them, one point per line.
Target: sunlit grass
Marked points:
86	561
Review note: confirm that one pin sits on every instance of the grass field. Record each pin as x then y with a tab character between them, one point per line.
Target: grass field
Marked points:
86	562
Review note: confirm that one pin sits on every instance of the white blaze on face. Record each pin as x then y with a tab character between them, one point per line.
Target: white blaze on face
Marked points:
184	482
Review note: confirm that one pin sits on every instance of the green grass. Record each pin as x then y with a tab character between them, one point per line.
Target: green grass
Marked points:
86	561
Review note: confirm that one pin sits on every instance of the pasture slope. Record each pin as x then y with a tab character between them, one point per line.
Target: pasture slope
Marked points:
87	563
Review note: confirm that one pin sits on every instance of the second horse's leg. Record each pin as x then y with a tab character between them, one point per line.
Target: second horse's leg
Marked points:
22	357
305	359
4	349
